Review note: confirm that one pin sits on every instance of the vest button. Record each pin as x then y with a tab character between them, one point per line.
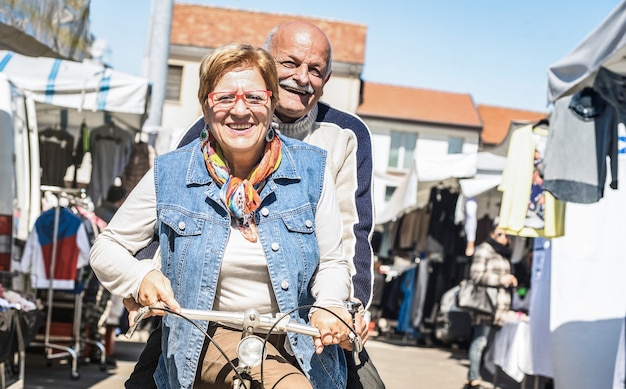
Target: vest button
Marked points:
265	211
284	285
308	223
182	226
275	246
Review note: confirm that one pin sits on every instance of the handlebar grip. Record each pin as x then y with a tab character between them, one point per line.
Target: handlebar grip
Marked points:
299	328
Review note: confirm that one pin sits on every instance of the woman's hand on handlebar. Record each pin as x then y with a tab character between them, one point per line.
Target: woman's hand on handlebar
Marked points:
155	291
132	307
332	330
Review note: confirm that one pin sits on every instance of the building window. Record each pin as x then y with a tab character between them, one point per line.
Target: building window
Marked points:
389	192
174	81
402	149
455	145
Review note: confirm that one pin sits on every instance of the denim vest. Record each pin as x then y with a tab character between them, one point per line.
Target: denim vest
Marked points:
193	227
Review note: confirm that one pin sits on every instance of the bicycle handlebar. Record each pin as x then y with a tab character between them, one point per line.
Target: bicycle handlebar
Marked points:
265	322
250	321
250	318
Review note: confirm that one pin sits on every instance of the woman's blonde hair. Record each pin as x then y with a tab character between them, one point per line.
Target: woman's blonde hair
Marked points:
236	56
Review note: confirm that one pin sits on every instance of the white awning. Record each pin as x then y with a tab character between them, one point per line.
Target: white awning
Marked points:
489	175
414	191
481	183
81	86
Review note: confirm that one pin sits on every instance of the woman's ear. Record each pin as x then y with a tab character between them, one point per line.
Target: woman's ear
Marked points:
206	115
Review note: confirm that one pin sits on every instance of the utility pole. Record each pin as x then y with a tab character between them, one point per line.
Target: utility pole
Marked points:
154	66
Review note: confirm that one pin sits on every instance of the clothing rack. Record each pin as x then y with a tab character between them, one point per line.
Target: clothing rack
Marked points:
67	300
16	358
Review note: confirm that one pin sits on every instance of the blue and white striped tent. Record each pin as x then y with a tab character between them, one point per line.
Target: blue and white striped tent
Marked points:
80	86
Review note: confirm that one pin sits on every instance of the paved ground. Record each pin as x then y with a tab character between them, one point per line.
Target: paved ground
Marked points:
401	364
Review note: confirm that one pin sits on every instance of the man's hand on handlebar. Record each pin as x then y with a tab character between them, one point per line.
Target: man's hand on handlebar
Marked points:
361	327
155	291
332	330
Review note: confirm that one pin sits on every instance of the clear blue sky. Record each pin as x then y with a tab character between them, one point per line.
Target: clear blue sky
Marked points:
496	50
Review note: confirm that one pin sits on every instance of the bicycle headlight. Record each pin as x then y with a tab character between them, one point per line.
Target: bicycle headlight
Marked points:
251	351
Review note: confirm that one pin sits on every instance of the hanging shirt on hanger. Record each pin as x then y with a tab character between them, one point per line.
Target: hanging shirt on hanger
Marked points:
110	148
583	132
56	150
442	227
72	250
526	209
80	171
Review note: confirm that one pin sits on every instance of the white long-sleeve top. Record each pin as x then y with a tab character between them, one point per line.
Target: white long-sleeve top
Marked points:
133	227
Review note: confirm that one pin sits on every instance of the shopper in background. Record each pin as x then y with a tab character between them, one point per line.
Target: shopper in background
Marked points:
115	197
490	266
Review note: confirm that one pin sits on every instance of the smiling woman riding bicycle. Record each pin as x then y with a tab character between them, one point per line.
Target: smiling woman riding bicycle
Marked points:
245	218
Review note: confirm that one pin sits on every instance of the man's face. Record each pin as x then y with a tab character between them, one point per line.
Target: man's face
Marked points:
302	64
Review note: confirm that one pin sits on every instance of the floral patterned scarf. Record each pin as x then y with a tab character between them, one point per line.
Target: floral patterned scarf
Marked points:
241	196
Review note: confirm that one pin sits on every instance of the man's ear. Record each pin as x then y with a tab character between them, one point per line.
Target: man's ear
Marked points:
325	81
328	77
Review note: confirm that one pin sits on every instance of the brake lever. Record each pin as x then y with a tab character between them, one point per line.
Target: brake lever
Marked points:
353	307
141	312
357	343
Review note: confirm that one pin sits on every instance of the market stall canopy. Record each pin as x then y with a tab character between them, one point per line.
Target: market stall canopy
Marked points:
489	175
414	191
81	86
605	47
479	184
50	28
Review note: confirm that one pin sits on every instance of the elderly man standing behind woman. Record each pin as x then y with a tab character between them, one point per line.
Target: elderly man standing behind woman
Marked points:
303	55
245	217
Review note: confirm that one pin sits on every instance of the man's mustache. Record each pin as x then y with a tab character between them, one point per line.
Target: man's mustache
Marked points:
291	84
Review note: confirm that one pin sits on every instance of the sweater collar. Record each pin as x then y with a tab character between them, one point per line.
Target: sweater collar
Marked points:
300	126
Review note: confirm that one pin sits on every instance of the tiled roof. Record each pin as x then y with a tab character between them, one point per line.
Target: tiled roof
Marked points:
423	105
205	26
497	120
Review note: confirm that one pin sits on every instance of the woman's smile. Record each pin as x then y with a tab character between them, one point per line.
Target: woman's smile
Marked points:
240	128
